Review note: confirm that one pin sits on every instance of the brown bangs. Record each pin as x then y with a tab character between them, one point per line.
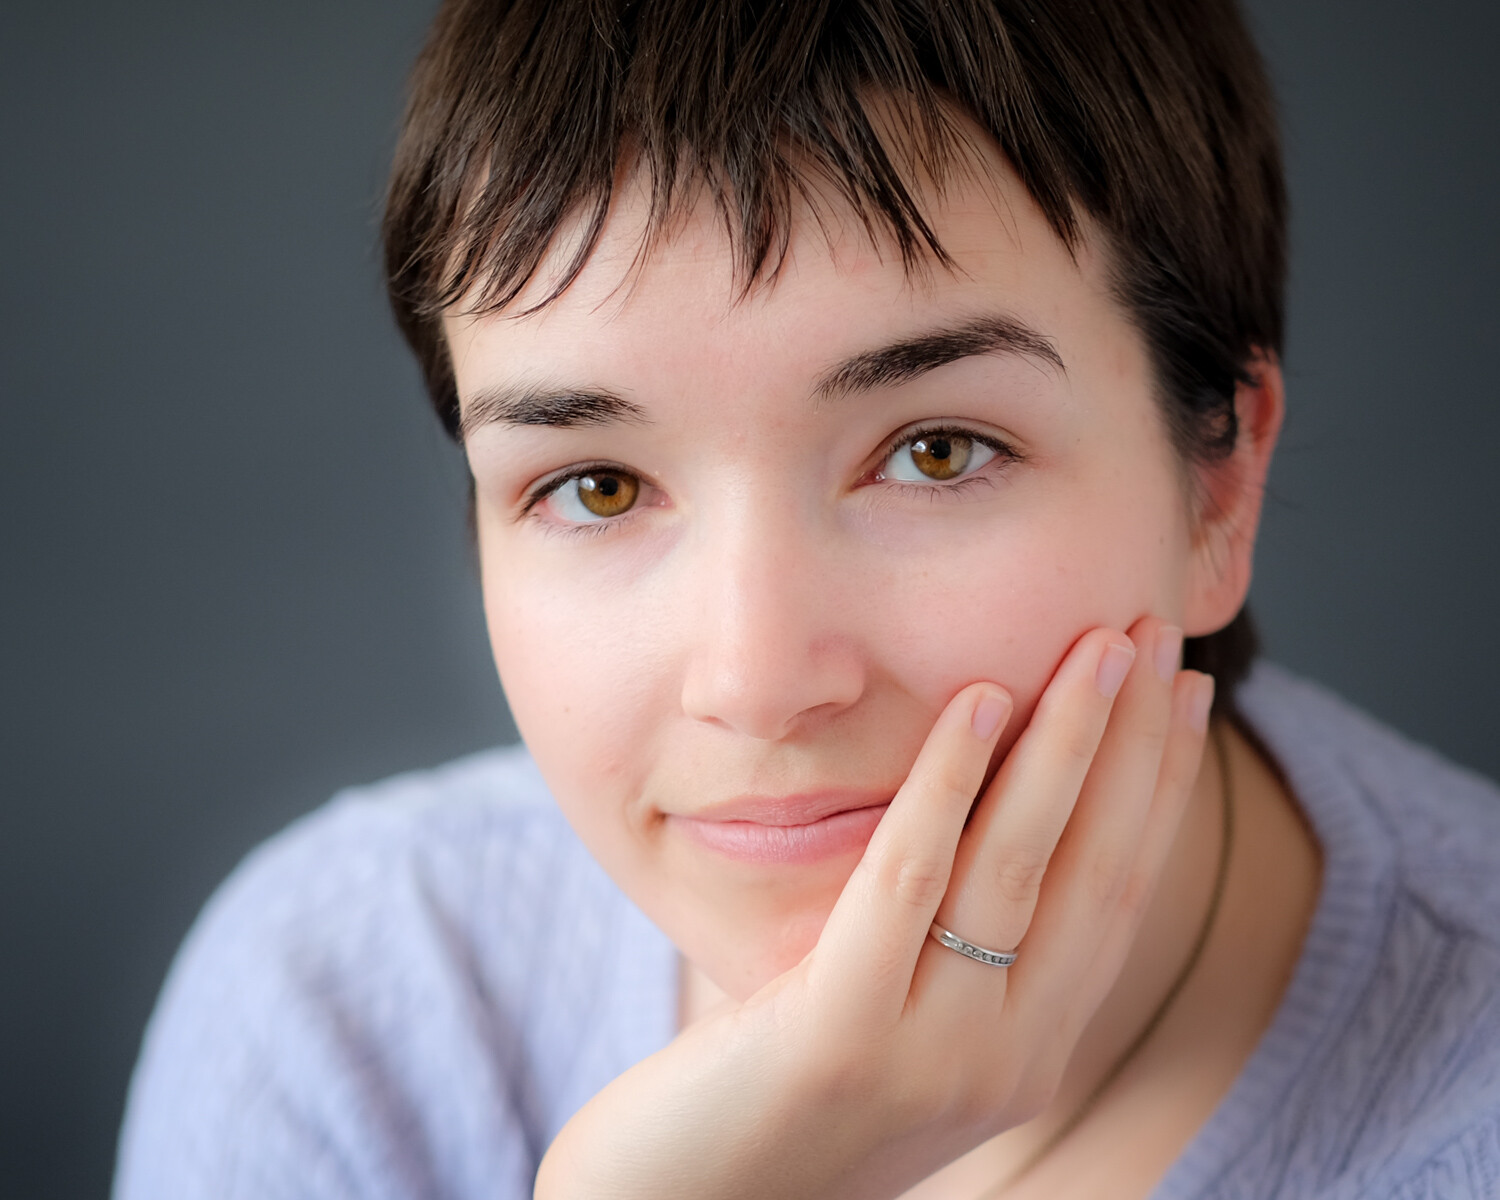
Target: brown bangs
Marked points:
1154	117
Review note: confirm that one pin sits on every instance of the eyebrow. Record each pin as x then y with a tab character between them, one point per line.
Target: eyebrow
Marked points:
886	366
902	361
561	408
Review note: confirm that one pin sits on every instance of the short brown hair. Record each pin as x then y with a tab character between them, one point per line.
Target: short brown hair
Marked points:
1154	117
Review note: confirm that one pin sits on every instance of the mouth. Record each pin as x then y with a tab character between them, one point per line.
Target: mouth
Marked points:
805	828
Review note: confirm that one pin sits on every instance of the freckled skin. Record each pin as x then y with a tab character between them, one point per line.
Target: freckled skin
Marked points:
765	620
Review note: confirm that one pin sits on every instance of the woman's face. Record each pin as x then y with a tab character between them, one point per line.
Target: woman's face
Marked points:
738	553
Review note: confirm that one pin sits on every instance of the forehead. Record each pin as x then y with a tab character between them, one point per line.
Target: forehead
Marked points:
650	301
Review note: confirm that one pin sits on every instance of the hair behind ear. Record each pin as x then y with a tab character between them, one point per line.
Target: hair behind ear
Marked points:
1259	408
1227	655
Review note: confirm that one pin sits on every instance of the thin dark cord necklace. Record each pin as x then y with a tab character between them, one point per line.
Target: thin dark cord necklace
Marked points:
1226	847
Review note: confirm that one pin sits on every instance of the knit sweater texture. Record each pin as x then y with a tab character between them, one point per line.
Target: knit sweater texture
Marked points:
407	993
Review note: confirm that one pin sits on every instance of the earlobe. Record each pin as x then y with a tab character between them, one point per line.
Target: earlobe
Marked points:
1231	491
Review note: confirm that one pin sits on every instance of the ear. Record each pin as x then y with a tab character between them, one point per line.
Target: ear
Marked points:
1229	502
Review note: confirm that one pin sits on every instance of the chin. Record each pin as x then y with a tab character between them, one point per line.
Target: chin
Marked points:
755	958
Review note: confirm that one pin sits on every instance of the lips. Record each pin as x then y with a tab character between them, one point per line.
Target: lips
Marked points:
805	828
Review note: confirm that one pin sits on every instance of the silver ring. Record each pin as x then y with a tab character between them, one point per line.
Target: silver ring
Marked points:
990	958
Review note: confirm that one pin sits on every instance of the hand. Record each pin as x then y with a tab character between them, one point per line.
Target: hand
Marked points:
882	1056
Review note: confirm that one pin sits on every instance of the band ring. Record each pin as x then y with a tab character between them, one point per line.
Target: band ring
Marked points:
990	958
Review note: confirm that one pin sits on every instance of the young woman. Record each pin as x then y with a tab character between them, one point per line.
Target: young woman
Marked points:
868	408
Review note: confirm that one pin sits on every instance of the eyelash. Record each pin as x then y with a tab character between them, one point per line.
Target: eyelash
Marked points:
578	471
1004	455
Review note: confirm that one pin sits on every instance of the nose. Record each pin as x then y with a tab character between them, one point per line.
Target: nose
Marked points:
775	645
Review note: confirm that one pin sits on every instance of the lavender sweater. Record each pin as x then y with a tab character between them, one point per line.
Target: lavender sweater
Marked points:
408	992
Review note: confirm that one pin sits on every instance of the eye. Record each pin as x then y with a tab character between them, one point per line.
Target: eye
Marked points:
593	496
935	456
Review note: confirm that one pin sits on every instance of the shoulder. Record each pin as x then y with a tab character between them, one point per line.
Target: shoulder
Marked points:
377	994
1439	822
471	857
1380	1074
350	878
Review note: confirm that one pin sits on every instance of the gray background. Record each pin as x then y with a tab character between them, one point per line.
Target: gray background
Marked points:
236	569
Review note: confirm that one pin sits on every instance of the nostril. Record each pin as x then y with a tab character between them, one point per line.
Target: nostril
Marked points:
768	695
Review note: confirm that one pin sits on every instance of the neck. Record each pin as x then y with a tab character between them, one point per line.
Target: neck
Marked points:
1146	1116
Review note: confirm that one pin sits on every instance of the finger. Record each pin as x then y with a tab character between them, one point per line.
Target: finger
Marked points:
1097	854
1192	698
1088	938
869	946
1182	760
1071	1006
1016	826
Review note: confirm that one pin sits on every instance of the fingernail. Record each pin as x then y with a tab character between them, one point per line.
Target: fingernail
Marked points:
1113	667
1203	701
1168	652
988	714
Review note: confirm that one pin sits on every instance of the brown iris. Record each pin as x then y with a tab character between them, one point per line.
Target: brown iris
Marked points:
941	455
607	493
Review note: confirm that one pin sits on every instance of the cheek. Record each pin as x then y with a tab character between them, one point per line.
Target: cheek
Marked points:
579	680
1024	595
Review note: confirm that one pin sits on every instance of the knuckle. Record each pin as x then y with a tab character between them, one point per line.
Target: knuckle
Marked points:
1135	894
1079	743
1181	761
954	783
1018	877
1072	715
918	880
1107	877
1148	728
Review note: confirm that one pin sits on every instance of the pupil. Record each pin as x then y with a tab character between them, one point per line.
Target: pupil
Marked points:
939	447
607	495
